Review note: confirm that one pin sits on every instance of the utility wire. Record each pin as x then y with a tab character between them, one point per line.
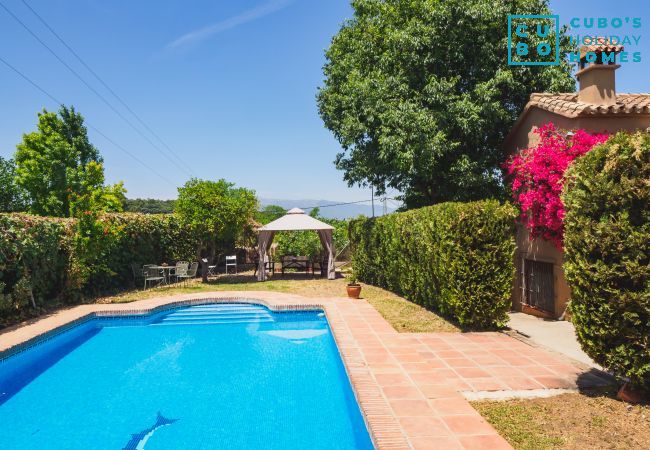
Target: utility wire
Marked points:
34	84
92	89
108	88
341	204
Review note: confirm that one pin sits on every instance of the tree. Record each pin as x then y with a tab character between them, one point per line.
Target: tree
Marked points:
58	163
11	196
420	95
269	213
149	206
216	211
92	238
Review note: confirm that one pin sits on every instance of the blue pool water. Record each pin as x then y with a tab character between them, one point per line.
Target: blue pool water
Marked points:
223	376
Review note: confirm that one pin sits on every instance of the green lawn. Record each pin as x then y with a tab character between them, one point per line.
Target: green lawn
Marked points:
399	312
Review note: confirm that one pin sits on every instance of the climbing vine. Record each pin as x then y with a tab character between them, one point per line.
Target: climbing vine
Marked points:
538	177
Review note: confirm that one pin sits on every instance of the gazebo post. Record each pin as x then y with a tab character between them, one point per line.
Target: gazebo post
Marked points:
326	240
264	240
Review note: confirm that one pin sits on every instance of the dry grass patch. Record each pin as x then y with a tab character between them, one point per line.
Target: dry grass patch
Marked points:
403	315
594	420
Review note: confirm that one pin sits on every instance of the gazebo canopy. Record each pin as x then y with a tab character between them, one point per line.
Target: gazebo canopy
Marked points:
294	220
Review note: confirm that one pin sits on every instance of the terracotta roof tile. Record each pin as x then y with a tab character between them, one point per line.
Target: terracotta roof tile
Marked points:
567	104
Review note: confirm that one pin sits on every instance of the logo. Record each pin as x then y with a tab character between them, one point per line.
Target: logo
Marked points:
533	40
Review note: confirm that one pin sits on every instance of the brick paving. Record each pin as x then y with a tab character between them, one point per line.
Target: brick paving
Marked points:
409	385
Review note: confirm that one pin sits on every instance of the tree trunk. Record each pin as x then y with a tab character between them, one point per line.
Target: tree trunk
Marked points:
31	296
204	270
31	292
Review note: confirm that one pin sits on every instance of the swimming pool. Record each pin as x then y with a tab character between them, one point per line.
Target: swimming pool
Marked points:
224	376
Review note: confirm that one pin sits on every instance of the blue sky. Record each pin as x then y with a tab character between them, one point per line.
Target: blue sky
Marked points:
229	85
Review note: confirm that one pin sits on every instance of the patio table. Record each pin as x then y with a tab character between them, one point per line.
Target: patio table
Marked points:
166	271
295	262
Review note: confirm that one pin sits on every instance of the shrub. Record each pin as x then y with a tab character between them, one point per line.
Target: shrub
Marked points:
138	239
456	258
607	254
34	261
538	174
39	258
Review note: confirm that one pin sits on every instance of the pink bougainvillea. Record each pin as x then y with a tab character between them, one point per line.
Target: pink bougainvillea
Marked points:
538	174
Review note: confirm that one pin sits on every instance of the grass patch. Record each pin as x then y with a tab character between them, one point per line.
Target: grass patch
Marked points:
592	419
403	315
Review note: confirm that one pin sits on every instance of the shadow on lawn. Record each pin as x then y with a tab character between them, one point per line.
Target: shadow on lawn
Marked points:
249	277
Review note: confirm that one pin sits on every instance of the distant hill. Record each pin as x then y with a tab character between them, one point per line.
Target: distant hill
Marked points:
330	212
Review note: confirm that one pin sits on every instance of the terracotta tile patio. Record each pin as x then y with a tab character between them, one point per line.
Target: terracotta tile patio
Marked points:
409	385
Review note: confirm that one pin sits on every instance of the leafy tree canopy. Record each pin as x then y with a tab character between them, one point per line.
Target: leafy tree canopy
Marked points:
217	211
57	164
149	206
420	95
269	213
11	196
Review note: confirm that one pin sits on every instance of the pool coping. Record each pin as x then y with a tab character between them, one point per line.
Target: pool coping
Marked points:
373	356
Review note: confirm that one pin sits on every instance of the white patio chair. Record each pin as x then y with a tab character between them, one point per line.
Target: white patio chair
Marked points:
152	275
231	261
180	269
189	273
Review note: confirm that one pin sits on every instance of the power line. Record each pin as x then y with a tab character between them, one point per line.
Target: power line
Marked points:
341	204
108	88
92	89
34	84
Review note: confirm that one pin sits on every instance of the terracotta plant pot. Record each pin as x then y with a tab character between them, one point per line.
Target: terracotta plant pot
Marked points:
629	394
354	290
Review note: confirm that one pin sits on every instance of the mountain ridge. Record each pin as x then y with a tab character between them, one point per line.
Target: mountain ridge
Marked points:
331	209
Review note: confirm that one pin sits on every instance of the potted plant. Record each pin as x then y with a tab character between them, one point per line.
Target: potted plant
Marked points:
354	288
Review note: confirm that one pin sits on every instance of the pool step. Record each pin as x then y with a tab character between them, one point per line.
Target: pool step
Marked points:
209	322
217	314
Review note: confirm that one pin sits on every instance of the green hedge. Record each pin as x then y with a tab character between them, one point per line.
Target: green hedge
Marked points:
607	254
139	239
456	258
37	257
35	254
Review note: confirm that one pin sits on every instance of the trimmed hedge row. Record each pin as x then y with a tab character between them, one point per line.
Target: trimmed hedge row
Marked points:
140	239
38	262
35	255
607	254
456	258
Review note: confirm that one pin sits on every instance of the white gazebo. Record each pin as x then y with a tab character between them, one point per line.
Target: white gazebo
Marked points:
294	220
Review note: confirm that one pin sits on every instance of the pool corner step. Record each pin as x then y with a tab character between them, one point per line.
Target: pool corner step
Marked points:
219	313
